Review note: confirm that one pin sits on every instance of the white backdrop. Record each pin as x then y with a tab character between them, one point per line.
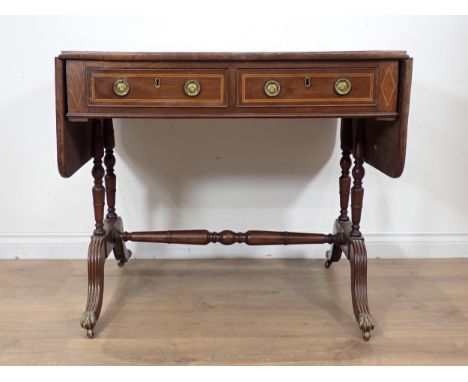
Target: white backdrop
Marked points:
234	174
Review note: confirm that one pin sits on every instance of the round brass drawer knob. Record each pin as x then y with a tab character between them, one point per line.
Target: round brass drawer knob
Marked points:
272	88
192	88
121	88
343	86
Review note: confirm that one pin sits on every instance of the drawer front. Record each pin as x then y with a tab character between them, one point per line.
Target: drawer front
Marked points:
157	87
303	87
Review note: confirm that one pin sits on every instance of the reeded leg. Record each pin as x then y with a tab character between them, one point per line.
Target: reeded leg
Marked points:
358	259
357	253
96	258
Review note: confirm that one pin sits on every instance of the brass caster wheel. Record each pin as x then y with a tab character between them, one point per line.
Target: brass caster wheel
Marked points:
90	333
328	264
366	336
121	263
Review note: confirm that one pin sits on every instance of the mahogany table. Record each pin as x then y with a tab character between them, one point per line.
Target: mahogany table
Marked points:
369	91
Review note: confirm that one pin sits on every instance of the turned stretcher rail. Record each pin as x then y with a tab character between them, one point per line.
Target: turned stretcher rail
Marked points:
203	237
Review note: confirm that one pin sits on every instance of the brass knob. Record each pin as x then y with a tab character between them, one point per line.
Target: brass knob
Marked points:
192	88
272	88
121	88
342	86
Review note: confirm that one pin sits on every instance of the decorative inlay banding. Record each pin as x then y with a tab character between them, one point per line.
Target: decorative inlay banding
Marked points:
388	86
171	91
321	92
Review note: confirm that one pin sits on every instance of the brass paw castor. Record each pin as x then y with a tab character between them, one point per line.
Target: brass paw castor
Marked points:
366	324
366	336
88	320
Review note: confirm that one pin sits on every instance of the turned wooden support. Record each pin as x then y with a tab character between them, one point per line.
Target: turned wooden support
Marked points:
345	185
203	237
357	191
109	161
345	164
98	175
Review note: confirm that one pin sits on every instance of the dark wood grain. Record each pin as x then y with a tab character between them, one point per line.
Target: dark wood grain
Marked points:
169	93
321	90
357	255
234	56
99	248
357	191
344	185
76	89
319	100
385	141
385	121
226	237
74	139
109	161
98	175
374	128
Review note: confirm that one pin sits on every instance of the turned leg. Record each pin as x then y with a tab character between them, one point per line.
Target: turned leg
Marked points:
98	175
345	185
334	254
357	191
121	253
109	161
357	253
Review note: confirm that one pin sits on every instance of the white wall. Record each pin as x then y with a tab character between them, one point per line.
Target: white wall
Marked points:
234	174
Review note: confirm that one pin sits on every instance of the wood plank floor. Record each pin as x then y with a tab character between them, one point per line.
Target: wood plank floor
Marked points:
234	312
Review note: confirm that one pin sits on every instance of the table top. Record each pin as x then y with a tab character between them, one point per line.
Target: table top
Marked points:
234	56
367	89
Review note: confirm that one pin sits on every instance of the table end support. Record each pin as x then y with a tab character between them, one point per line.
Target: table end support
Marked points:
106	235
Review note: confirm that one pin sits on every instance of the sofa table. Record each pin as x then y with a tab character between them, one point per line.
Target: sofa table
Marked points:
369	91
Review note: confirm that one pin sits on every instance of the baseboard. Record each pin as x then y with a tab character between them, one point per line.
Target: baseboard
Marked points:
380	245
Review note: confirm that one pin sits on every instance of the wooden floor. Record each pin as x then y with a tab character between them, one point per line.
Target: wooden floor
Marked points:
234	312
